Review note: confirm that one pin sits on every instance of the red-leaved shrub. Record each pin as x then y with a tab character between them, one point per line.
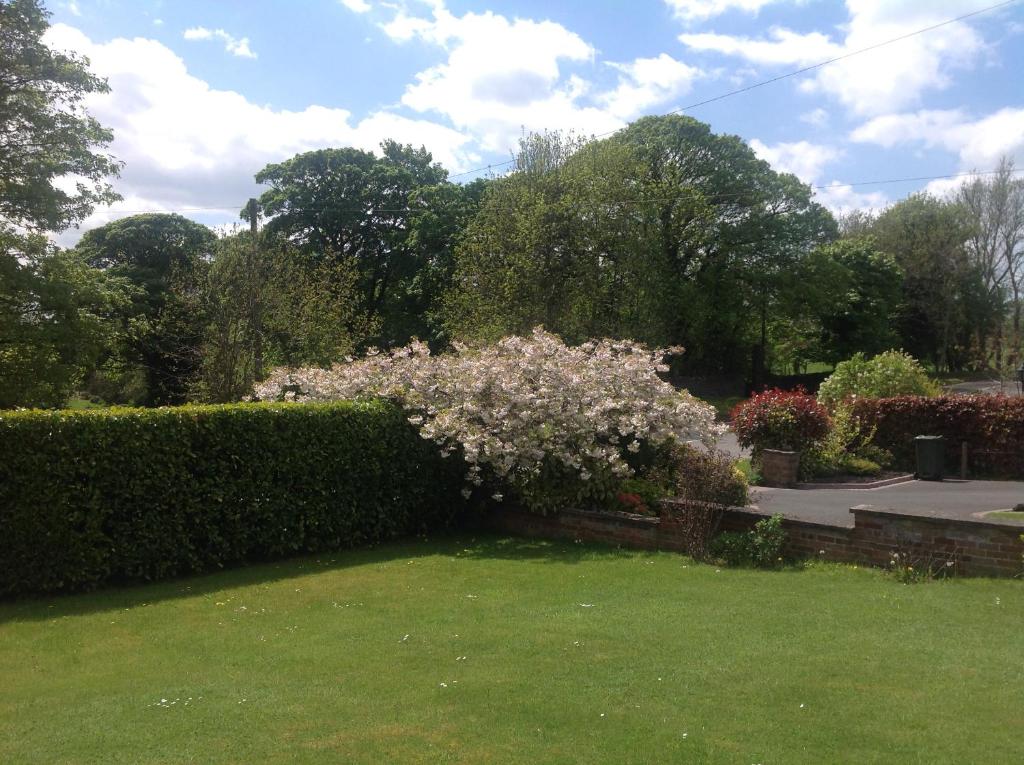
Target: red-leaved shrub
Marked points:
991	426
778	419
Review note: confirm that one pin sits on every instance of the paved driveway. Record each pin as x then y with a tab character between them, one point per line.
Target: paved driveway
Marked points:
950	499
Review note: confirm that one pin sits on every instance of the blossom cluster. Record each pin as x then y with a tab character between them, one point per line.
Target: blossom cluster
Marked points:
521	406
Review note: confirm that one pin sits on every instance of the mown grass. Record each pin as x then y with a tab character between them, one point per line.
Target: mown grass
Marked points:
1015	516
509	651
723	405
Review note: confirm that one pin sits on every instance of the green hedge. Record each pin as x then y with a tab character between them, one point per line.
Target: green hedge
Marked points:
142	494
991	426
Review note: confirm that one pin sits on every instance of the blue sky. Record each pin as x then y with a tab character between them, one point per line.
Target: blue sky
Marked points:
205	94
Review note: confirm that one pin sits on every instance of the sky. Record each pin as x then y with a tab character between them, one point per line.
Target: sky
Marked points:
205	94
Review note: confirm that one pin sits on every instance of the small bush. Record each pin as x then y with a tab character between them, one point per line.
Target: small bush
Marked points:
710	476
761	546
846	449
777	419
639	495
893	373
695	522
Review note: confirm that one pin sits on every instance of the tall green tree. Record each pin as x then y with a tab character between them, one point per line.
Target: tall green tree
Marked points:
847	300
54	308
944	306
385	214
166	258
308	313
56	320
45	132
666	233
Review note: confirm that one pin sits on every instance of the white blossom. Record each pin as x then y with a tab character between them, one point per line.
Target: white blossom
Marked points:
521	403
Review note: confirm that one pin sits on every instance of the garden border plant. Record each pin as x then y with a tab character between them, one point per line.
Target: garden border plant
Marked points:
552	426
143	494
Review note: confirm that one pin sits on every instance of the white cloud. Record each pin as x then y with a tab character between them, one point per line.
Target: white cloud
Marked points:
782	46
803	159
978	143
646	82
842	198
357	6
233	45
158	22
807	161
701	10
73	8
816	117
882	80
186	145
501	75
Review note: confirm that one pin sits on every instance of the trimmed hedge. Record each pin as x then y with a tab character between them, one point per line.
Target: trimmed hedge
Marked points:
992	427
143	494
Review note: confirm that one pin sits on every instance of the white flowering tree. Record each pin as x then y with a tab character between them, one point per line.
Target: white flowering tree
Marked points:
549	421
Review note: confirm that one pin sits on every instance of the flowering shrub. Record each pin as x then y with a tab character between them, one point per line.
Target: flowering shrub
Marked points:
552	423
893	373
778	419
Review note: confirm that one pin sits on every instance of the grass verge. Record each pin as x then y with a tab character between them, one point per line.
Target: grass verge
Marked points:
511	651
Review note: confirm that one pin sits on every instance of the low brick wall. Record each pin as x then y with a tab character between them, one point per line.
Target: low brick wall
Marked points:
985	548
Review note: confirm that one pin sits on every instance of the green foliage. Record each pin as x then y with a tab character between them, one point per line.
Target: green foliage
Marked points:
665	232
393	217
848	303
893	373
45	133
846	448
946	306
100	495
276	303
761	546
166	258
55	321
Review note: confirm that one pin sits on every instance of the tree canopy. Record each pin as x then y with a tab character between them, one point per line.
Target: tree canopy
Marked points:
45	133
665	232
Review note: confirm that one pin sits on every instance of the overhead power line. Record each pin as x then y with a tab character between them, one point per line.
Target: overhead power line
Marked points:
794	73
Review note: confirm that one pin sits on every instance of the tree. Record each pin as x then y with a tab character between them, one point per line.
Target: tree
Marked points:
995	205
55	321
165	257
54	308
665	233
849	297
943	311
350	204
308	313
45	132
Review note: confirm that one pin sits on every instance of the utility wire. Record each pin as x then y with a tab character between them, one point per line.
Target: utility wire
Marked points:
794	73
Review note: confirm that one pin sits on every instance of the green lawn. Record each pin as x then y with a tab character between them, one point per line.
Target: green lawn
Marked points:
1007	515
723	405
510	651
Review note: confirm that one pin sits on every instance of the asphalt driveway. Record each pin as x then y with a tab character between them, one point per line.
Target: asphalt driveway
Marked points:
948	499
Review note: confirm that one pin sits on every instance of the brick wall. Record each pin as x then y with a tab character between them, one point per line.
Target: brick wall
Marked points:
977	547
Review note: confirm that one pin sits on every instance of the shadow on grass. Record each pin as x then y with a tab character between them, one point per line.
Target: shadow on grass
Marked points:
480	545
